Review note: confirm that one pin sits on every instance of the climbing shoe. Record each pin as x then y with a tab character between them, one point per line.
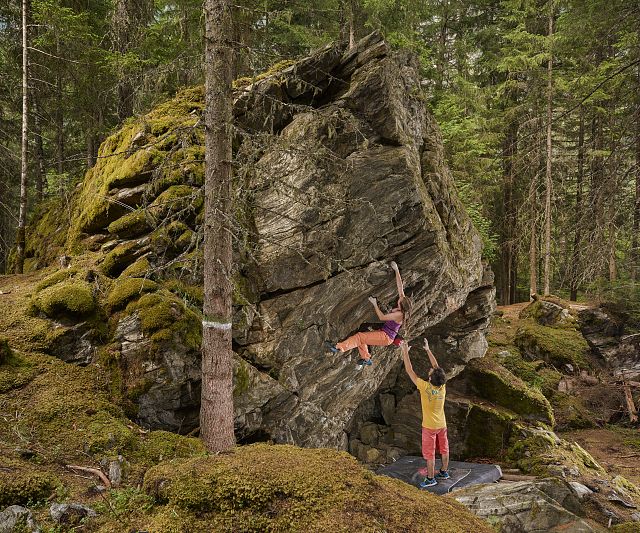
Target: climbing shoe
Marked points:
428	482
443	474
331	347
362	363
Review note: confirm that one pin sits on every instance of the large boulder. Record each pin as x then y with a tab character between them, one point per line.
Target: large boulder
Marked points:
341	169
606	332
527	506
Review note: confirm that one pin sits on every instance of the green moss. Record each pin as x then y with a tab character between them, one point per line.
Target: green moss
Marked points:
539	451
184	241
15	371
25	487
556	346
193	294
46	234
284	488
163	317
69	297
535	373
56	277
131	225
488	431
571	412
5	351
176	198
627	527
498	385
276	68
139	269
160	446
126	289
106	433
119	258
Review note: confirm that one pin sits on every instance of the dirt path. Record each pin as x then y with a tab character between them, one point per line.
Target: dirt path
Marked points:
617	450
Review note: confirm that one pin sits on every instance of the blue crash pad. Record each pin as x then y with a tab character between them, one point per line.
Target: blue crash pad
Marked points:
462	474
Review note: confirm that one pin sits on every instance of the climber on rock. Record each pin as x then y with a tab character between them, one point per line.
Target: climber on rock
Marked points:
434	424
385	336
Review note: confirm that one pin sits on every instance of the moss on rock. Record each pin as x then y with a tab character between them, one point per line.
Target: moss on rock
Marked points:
71	297
556	346
125	290
499	386
25	487
138	269
163	316
539	451
284	488
119	258
131	225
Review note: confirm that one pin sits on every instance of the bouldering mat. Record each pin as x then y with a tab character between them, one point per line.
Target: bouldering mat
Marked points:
462	474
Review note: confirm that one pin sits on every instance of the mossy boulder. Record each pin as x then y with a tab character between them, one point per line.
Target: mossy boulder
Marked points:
131	225
72	297
118	259
536	374
127	289
555	346
17	487
487	431
549	312
284	488
495	383
541	452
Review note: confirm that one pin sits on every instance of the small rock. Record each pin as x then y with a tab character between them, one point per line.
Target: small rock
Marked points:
369	433
569	368
16	515
573	471
115	471
504	354
635	517
70	513
580	489
373	455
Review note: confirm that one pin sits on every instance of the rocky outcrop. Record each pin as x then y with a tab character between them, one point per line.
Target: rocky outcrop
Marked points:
528	506
340	170
606	332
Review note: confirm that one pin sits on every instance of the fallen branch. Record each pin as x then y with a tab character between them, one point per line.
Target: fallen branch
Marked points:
94	471
517	477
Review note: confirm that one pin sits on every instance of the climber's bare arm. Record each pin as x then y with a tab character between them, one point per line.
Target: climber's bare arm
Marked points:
394	315
404	347
432	357
399	283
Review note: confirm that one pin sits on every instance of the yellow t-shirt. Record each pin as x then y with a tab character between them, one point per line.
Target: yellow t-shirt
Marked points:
432	399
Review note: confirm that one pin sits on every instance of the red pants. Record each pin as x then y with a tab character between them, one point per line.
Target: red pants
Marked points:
361	340
433	439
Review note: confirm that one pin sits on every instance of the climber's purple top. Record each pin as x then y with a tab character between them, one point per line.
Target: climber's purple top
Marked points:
391	328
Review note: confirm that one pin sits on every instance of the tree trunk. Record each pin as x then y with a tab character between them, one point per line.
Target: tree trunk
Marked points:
216	411
22	215
39	151
547	202
510	216
635	245
59	117
576	258
533	243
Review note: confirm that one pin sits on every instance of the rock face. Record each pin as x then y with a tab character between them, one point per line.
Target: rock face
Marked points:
526	506
605	331
340	170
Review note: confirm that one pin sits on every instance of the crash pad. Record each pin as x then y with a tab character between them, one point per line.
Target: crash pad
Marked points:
462	474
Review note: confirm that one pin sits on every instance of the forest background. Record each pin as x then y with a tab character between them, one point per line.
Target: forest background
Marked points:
538	103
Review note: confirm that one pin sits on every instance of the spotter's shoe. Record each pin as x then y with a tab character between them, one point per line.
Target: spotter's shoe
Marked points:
428	482
443	474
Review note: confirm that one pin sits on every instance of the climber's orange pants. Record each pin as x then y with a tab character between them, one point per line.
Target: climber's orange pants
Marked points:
361	340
